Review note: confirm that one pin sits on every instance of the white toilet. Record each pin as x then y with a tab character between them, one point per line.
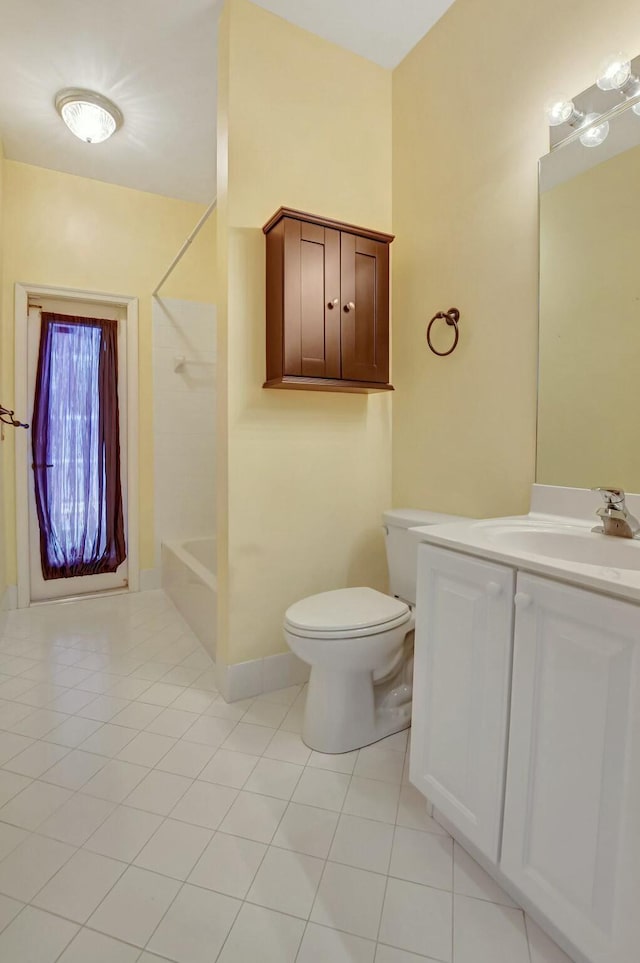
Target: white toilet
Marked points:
359	644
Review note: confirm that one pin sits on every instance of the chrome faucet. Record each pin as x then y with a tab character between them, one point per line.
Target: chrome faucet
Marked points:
616	518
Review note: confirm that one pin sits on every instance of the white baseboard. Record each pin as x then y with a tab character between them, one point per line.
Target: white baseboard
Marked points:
9	601
220	672
245	680
285	669
10	598
150	579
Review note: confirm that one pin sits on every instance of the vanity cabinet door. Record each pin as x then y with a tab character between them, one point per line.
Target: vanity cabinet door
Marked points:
571	840
461	690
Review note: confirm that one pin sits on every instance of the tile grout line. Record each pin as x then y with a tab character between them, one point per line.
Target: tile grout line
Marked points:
181	887
453	902
165	818
135	946
324	868
150	656
393	839
327	860
264	855
77	849
184	882
526	930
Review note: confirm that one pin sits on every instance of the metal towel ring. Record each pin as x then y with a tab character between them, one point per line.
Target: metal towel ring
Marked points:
452	316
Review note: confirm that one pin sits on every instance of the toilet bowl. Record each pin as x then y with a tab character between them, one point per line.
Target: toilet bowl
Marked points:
359	644
353	639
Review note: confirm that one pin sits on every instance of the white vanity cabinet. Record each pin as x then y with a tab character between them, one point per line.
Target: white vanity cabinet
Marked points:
462	678
571	838
557	816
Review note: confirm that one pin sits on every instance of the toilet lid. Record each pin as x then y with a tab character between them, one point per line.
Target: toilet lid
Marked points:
345	610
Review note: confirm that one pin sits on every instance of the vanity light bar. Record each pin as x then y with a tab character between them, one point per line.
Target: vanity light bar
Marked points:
586	116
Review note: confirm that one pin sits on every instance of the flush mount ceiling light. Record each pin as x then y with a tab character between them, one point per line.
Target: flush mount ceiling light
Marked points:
90	116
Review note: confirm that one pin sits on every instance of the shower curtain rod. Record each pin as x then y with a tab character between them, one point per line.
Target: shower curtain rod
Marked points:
186	245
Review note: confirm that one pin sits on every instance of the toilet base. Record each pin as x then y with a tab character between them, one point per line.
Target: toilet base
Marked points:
346	711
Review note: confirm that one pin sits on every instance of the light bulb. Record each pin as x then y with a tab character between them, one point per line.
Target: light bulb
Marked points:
614	72
558	109
595	134
89	122
88	115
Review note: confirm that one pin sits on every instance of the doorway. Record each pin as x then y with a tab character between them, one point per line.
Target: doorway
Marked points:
61	503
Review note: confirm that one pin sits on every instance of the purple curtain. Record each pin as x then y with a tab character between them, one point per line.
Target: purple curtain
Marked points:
76	447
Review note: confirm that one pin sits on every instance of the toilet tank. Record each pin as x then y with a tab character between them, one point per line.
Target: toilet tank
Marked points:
402	547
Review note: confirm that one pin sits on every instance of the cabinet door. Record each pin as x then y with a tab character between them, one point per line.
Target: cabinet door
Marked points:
311	300
364	308
461	690
571	838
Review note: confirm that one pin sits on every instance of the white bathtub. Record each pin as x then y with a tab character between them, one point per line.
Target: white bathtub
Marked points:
189	579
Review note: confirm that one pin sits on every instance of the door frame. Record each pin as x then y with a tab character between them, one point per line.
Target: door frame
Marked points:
23	292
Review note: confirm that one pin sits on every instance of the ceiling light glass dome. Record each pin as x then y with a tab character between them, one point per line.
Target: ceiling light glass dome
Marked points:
90	116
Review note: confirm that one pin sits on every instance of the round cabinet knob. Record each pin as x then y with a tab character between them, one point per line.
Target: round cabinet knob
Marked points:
349	306
523	600
494	589
331	304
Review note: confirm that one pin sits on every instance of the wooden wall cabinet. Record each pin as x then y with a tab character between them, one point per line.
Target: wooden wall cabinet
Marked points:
327	304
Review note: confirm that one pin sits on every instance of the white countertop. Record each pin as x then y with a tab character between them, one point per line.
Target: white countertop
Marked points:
486	539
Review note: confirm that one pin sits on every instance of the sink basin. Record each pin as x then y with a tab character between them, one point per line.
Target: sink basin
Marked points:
547	544
567	543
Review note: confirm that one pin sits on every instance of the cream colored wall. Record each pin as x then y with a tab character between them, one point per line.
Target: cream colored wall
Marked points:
305	475
468	129
589	344
73	232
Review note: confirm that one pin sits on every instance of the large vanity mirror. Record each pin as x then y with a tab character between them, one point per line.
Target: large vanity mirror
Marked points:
589	361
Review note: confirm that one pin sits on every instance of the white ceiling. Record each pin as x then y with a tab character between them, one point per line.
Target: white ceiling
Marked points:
156	59
380	30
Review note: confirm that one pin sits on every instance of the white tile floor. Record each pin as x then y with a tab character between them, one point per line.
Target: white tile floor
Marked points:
144	819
